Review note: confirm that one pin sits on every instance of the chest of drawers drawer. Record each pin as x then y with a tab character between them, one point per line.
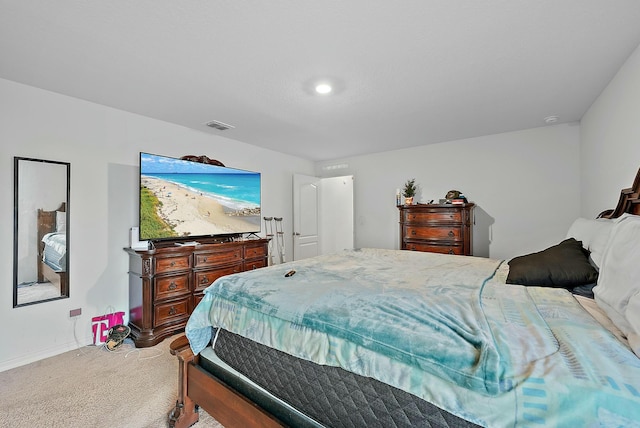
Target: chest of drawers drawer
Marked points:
171	286
216	258
255	251
197	298
436	248
172	311
255	264
445	216
435	232
204	278
172	264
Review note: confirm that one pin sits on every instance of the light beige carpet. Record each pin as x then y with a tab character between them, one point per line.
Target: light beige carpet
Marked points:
92	387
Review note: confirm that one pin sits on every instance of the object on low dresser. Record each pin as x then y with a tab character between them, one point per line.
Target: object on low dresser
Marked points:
434	228
166	283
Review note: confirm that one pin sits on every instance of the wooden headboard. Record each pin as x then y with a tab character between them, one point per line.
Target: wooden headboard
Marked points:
47	224
629	201
202	159
47	221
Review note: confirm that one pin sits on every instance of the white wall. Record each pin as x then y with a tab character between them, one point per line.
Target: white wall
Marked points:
525	185
102	145
610	134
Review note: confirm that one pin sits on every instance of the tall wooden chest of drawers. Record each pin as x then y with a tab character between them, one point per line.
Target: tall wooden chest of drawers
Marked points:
166	283
437	228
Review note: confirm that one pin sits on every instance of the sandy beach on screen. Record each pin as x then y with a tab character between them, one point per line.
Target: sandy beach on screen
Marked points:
197	212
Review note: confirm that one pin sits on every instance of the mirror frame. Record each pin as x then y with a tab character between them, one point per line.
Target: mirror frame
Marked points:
64	279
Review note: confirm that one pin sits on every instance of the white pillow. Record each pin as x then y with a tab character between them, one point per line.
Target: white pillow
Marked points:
594	234
633	337
61	221
618	289
583	230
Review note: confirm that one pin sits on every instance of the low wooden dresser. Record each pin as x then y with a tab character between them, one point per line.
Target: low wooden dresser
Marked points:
166	283
446	228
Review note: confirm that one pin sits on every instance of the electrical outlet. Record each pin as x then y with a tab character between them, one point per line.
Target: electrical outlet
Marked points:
75	312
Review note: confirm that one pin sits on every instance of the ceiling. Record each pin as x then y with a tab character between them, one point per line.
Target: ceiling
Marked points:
405	73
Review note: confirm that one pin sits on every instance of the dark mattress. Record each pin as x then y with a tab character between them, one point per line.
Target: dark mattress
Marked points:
328	396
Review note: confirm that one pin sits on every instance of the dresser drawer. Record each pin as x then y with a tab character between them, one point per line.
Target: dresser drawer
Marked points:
171	311
255	252
197	298
439	233
216	258
448	216
172	264
255	264
432	248
171	286
203	279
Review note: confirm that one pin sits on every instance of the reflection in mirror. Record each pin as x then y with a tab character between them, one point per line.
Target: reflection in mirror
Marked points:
40	231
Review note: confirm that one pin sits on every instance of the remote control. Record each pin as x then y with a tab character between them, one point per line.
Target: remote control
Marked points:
290	273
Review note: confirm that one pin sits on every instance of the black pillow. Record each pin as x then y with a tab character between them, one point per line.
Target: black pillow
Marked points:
585	290
565	265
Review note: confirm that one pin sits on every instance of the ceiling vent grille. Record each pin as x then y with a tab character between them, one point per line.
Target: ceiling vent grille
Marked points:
220	126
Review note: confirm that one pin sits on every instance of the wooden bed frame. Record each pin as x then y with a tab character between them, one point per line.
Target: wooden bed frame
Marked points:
199	388
628	201
47	224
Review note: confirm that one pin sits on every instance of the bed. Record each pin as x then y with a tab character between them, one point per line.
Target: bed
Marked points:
374	337
52	248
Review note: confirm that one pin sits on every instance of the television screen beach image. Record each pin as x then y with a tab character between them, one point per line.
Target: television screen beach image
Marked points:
180	198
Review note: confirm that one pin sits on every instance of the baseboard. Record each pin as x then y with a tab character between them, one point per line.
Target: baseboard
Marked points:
42	354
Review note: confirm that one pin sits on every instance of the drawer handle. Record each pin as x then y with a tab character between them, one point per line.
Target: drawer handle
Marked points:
413	232
204	280
451	233
450	250
172	286
204	259
172	264
172	311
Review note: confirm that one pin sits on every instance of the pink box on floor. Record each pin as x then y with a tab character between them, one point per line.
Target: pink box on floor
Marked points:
101	325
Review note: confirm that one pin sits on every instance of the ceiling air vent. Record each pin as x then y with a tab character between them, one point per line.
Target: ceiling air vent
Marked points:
219	125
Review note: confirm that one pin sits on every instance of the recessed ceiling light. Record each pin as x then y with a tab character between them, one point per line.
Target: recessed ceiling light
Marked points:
323	88
551	119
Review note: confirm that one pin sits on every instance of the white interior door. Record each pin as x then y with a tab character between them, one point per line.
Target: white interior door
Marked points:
305	216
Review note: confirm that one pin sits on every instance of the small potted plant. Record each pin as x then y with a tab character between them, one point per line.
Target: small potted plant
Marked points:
409	191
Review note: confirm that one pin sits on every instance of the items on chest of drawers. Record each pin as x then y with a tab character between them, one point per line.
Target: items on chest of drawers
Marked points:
443	228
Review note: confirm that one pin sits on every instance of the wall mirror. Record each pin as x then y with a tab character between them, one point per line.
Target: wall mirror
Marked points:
40	231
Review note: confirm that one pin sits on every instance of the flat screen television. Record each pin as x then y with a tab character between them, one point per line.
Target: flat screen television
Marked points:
186	199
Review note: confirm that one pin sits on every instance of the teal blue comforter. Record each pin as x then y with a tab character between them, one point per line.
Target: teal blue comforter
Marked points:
442	327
